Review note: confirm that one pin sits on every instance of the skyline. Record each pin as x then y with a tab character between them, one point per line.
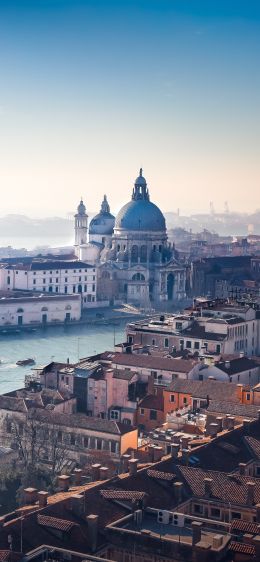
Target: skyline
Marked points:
93	90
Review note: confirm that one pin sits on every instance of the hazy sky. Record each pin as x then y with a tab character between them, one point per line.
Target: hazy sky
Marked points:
90	90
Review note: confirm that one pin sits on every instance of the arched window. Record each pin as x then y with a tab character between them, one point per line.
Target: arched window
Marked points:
79	288
138	277
20	310
134	254
44	309
143	253
68	307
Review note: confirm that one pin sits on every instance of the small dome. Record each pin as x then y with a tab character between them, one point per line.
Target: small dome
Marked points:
81	208
103	222
140	213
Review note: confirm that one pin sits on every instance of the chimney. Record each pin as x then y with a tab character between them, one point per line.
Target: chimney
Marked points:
151	452
230	422
132	465
178	491
92	521
175	450
208	487
103	473
257	512
217	541
242	468
246	425
77	476
64	482
219	421
95	471
157	453
196	532
42	498
212	429
77	504
227	364
185	455
185	442
150	386
250	493
30	495
124	462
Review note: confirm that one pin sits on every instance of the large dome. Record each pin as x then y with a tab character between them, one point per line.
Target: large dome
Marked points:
140	213
104	222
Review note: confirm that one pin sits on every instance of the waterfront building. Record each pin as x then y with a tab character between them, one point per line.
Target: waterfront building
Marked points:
134	260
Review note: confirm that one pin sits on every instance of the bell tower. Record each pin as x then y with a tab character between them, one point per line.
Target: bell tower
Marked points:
81	225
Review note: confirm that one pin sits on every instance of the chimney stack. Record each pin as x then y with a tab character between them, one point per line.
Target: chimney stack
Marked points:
250	493
132	465
246	425
212	429
185	455
103	473
230	422
157	453
185	442
92	521
208	487
64	482
196	532
175	450
30	495
124	462
95	469
77	504
42	498
77	476
242	468
177	491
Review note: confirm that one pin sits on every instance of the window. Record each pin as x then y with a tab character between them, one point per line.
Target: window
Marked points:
57	280
85	442
166	342
172	398
141	411
215	512
196	345
178	325
184	400
198	509
114	415
153	415
188	344
8	280
248	396
44	280
235	515
218	348
72	439
93	287
50	280
154	374
66	280
34	273
56	289
153	342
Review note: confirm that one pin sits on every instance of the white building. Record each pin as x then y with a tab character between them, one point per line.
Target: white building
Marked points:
38	309
59	277
135	262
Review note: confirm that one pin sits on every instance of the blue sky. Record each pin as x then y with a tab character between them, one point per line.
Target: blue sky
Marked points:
92	90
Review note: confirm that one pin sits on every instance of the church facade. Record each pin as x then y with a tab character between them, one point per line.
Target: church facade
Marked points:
134	261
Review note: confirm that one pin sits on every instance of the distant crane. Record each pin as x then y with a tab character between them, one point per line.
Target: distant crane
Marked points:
226	207
211	208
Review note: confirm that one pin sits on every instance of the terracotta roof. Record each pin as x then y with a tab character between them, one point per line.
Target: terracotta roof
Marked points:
218	390
225	487
10	556
199	332
82	421
238	365
242	548
124	375
152	402
122	495
168	476
55	523
254	445
149	361
12	404
245	526
227	407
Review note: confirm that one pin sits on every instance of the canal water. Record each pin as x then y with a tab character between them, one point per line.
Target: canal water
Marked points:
53	344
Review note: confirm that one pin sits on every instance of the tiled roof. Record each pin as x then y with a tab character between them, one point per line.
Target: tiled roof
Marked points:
12	404
242	548
168	476
228	407
199	332
124	375
254	445
238	365
55	523
149	361
129	495
218	390
152	402
225	487
83	422
245	526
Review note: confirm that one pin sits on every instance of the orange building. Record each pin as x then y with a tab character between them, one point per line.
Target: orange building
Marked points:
150	413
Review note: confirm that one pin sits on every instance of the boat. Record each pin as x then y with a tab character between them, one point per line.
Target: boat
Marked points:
25	362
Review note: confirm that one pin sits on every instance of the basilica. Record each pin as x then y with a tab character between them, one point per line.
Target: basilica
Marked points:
134	261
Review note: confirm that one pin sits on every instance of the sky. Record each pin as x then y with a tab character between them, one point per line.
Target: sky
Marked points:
91	90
